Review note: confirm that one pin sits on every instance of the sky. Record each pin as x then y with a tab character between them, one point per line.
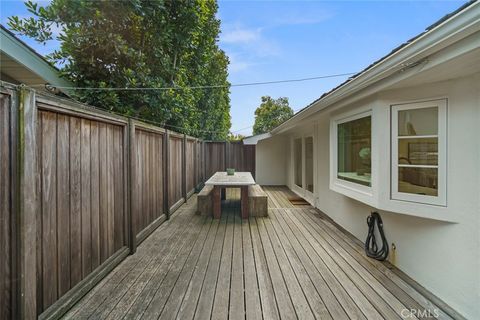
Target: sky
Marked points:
281	40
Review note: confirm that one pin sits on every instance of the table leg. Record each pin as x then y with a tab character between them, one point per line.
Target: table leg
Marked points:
244	202
217	203
224	193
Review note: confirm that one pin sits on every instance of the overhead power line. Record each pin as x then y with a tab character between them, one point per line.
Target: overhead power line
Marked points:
248	84
193	87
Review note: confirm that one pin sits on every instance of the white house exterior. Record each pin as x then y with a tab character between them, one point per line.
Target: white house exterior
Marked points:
401	138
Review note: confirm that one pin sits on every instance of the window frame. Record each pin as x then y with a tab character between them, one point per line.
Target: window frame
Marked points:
441	198
354	190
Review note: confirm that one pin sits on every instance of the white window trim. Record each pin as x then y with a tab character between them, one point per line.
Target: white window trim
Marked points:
351	189
441	199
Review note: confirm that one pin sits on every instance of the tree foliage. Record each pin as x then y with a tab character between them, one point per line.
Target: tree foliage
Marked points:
271	113
235	137
140	43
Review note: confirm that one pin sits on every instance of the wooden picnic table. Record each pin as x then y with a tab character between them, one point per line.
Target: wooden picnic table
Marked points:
221	180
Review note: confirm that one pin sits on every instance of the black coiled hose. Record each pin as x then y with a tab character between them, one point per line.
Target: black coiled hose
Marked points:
371	247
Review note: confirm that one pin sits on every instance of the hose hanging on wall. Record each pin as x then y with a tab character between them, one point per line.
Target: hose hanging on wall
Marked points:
371	247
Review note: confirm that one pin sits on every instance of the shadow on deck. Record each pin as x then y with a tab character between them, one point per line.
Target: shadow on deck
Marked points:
294	264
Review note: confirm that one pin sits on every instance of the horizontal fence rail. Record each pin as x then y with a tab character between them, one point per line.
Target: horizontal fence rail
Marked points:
80	188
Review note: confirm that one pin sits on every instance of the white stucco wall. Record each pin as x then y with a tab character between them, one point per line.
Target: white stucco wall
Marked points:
271	161
443	257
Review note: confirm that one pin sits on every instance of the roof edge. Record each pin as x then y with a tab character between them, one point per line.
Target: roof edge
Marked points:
435	36
31	60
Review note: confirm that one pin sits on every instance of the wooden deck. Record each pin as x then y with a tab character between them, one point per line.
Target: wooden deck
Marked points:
293	264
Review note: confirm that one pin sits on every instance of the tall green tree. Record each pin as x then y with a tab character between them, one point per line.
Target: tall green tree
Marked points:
140	44
271	113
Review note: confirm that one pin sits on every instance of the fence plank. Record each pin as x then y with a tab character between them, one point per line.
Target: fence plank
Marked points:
103	192
75	203
118	184
48	205
110	190
85	198
63	204
94	192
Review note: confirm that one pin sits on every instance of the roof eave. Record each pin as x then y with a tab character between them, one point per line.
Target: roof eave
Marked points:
31	60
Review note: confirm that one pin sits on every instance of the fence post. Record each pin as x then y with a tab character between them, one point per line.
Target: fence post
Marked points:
225	155
131	185
27	202
204	161
195	163
184	167
166	173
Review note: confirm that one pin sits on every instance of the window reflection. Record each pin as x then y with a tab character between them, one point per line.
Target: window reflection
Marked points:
418	122
422	181
354	149
418	151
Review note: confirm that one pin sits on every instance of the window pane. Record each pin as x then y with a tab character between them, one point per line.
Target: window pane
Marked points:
423	181
417	122
354	146
420	151
309	163
297	149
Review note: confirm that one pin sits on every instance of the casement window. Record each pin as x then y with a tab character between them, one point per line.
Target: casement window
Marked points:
353	149
419	146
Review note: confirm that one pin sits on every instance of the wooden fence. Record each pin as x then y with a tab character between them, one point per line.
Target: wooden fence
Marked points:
222	155
80	189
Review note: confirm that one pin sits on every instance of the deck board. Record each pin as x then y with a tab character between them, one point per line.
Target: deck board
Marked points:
204	305
330	289
268	300
222	290
296	263
237	294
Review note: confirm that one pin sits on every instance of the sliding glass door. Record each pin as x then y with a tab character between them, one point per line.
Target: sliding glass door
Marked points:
298	162
303	167
309	164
